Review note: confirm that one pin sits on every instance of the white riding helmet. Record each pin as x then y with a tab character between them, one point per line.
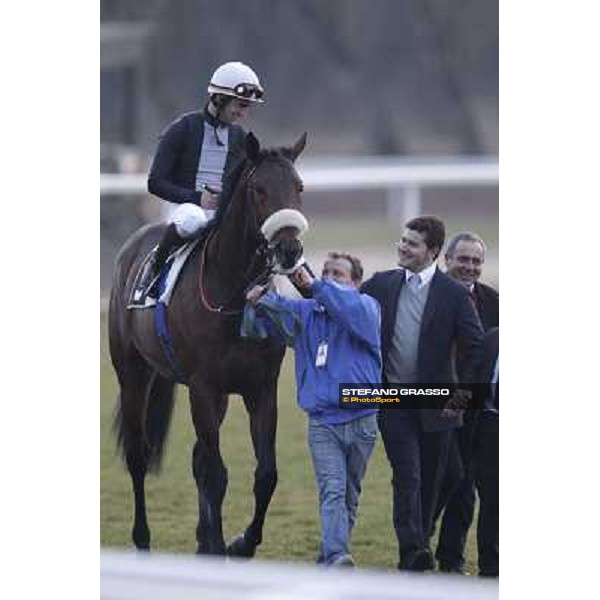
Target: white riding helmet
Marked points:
237	80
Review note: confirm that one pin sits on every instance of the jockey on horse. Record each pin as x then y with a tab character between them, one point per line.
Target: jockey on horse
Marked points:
194	152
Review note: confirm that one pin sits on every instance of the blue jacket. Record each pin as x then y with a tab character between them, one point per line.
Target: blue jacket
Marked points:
350	324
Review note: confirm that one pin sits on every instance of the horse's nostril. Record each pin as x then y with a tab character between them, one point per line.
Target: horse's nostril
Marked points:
287	252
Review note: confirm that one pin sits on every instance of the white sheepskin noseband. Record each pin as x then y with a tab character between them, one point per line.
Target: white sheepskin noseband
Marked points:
286	217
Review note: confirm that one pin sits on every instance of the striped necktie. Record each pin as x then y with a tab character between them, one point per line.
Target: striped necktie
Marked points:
414	282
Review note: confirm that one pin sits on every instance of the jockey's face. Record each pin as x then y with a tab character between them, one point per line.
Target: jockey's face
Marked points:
235	110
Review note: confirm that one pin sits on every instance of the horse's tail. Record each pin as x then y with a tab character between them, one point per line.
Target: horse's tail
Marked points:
158	413
161	399
145	403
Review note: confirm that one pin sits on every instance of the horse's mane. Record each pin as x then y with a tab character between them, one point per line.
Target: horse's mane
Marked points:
231	179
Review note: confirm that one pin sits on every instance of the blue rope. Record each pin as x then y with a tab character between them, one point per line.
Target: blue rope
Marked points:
162	329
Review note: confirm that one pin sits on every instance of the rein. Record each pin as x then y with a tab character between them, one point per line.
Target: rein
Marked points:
246	282
259	254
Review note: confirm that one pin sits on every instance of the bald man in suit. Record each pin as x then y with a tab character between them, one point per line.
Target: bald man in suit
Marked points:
464	258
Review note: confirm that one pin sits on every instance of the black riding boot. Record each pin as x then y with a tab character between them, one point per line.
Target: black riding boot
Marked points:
170	240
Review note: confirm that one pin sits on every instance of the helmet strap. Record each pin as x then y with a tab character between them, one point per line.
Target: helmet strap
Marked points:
219	101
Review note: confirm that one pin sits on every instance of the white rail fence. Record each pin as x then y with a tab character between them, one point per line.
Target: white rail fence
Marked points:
131	576
403	179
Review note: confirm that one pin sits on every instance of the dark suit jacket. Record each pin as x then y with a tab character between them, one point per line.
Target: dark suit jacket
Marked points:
485	371
449	318
487	303
488	361
173	172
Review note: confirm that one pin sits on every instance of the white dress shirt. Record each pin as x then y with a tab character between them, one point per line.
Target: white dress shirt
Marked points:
425	275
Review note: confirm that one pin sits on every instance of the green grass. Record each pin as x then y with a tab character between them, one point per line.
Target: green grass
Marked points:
291	531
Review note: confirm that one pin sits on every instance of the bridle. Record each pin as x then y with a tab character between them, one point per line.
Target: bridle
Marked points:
264	253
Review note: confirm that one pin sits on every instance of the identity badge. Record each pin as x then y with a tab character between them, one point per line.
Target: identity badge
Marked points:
321	355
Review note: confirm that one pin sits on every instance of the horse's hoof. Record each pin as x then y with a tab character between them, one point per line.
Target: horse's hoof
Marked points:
203	550
142	545
240	547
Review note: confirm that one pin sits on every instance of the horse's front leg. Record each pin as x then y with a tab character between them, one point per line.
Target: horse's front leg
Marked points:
262	409
208	409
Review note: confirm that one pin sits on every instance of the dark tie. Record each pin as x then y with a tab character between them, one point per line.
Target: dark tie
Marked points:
473	298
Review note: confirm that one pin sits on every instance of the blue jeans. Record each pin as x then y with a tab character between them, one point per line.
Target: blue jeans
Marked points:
340	454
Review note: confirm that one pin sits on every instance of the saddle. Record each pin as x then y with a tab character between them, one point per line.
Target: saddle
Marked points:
165	280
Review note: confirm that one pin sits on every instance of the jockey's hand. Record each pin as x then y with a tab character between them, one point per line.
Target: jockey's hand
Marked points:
254	295
302	278
209	201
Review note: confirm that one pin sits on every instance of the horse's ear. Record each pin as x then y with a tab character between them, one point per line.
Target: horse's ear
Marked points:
252	147
295	151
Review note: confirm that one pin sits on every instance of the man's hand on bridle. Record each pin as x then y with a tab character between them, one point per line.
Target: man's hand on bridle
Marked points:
302	278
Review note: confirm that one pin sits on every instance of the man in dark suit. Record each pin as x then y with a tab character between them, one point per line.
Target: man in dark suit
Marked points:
425	313
485	457
465	257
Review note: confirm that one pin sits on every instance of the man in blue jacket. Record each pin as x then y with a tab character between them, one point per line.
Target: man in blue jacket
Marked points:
336	339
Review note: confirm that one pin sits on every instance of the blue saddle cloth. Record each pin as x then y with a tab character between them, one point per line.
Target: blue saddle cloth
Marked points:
161	326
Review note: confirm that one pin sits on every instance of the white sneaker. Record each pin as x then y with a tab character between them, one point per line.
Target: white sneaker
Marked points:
343	561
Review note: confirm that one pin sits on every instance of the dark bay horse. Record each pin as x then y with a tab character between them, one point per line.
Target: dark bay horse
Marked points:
204	316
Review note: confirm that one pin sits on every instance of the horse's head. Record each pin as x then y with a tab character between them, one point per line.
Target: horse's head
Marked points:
258	225
274	189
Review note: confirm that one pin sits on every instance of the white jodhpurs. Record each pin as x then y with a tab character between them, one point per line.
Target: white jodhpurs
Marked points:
189	219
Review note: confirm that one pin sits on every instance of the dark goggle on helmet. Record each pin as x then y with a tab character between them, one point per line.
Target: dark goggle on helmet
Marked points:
248	91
